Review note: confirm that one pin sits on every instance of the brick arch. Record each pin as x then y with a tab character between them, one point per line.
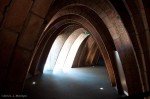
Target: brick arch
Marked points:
106	12
145	10
64	54
19	35
44	45
133	14
80	21
80	58
57	46
108	61
89	59
77	37
140	32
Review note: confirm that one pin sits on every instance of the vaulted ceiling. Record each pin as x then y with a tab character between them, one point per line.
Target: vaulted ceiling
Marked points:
119	28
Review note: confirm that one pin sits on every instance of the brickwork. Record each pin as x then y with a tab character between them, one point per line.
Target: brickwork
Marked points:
7	42
17	14
41	7
19	34
121	26
31	32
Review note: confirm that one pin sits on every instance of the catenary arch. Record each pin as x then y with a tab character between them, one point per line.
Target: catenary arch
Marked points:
109	44
120	38
44	44
77	18
130	12
58	45
106	56
74	48
64	54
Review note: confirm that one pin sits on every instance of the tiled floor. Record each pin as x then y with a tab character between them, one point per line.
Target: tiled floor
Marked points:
78	83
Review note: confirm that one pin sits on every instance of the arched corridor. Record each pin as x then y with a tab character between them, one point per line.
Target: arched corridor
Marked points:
119	35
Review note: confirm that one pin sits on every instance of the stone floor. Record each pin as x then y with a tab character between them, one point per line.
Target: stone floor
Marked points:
77	83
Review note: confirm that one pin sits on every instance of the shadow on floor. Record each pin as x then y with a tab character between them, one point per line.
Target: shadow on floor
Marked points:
77	83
